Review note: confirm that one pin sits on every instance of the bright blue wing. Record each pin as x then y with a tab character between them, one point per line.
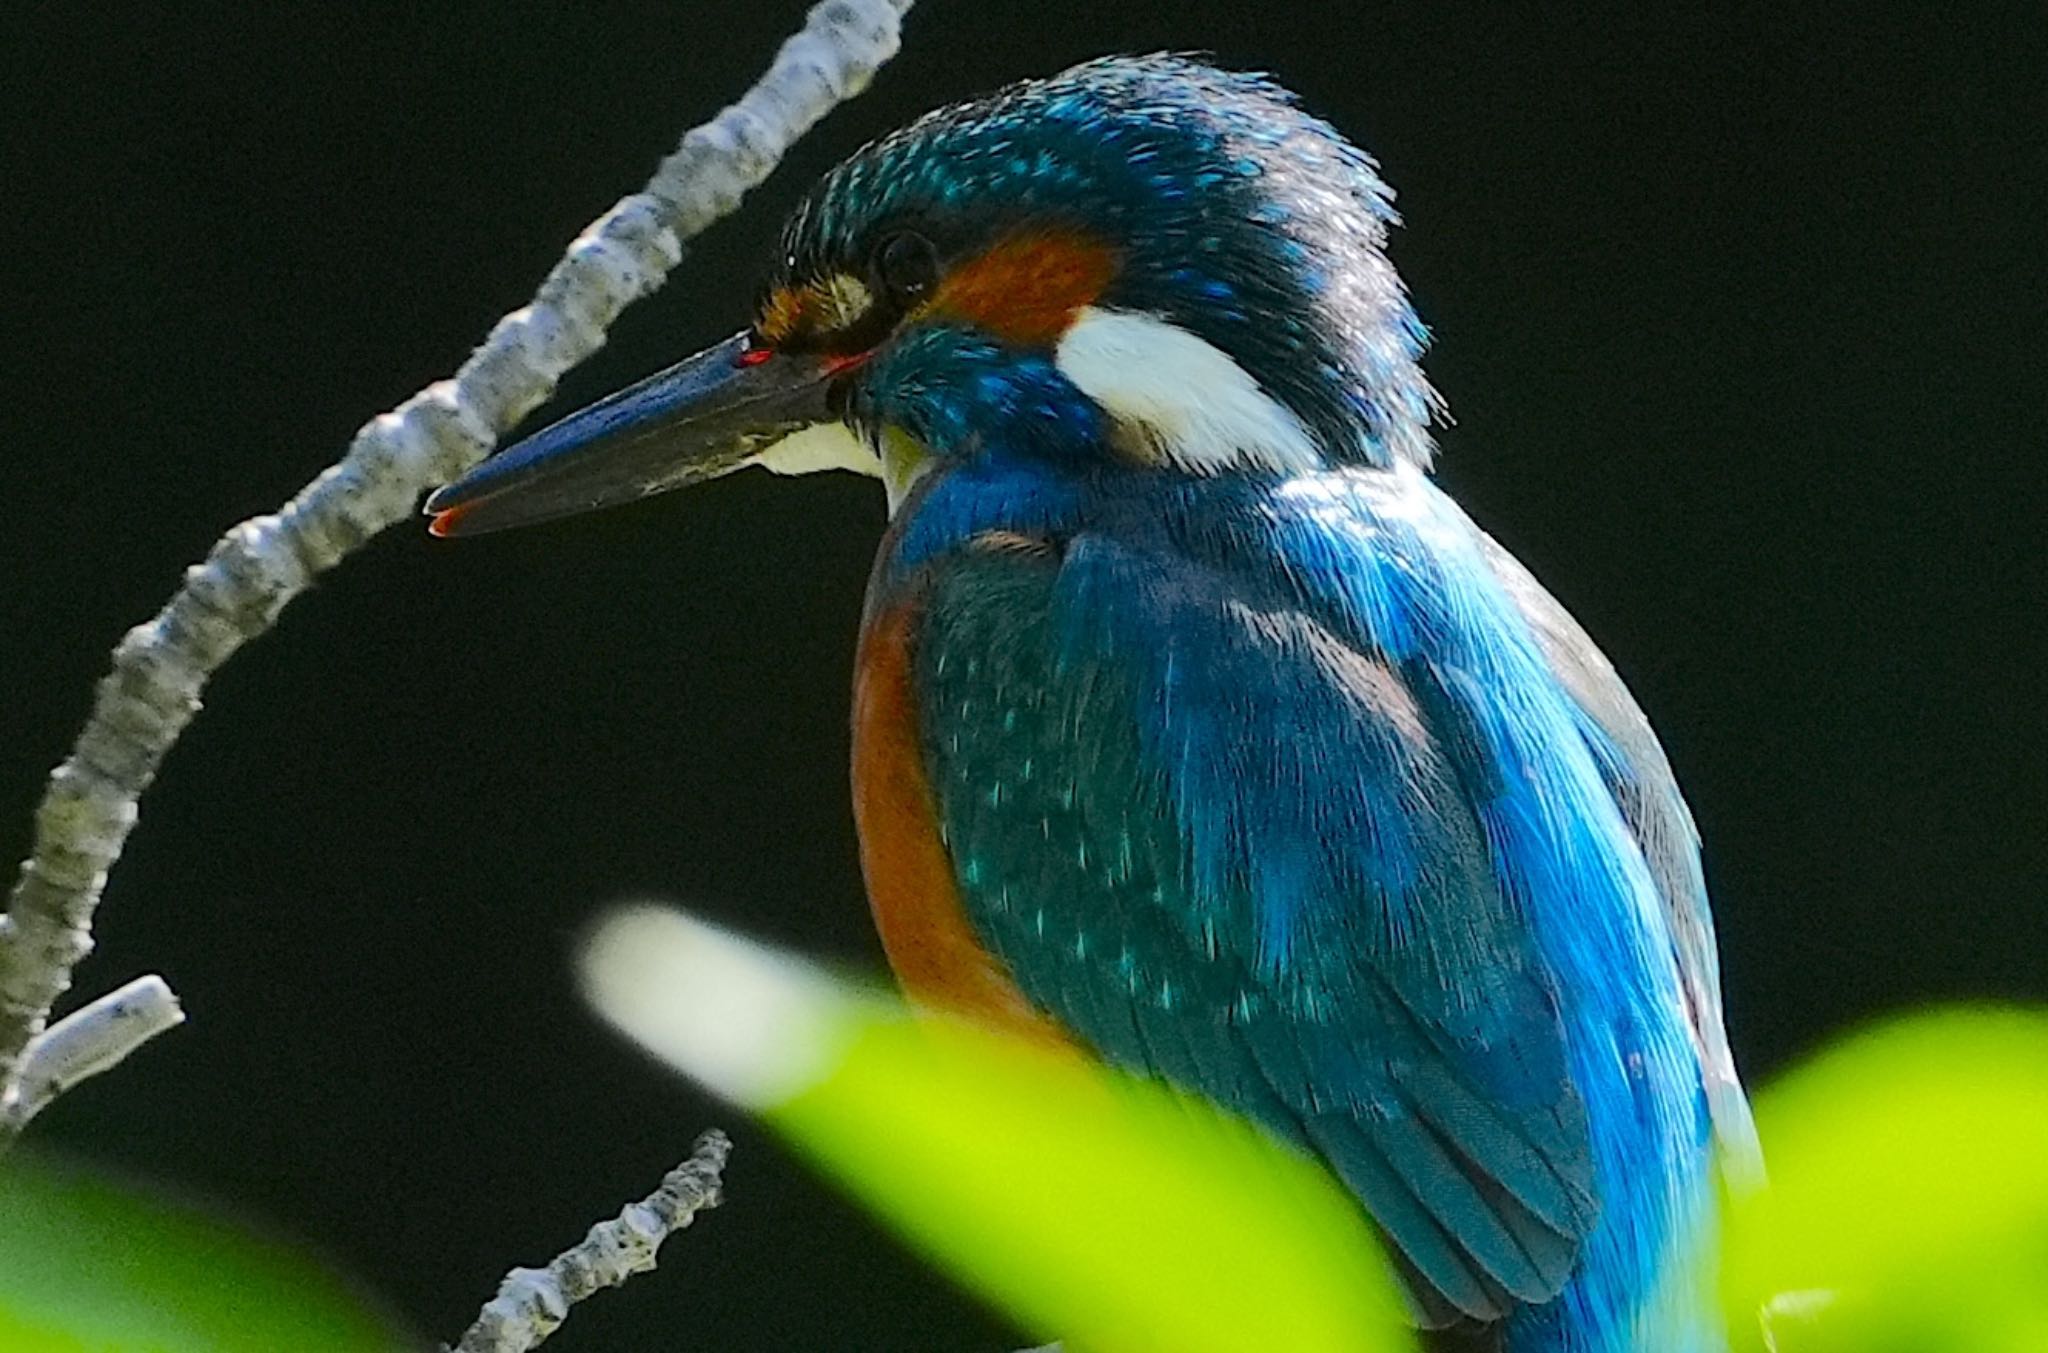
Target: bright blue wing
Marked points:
1228	844
1638	775
1274	793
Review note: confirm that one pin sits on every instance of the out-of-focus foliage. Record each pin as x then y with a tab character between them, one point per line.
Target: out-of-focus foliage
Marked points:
89	1267
1908	1213
1116	1214
1908	1207
1110	1212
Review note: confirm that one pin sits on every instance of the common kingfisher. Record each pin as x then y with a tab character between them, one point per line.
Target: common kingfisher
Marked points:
1194	725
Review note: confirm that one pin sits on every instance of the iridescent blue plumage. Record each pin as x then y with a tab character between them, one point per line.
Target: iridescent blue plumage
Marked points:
1269	785
1272	791
1195	721
1255	225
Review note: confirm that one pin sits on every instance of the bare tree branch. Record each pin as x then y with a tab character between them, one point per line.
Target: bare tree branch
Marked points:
533	1302
159	669
87	1042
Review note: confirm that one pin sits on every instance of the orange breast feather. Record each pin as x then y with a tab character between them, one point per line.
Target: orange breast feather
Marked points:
930	942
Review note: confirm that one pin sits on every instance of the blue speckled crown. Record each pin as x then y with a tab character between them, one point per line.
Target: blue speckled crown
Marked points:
1236	216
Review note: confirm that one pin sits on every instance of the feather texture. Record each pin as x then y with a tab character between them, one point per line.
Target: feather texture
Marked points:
1271	789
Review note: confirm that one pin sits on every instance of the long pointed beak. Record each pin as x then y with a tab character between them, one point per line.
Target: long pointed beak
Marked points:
703	417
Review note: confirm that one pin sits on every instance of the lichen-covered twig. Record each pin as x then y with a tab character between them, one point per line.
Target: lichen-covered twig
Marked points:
256	568
532	1302
87	1042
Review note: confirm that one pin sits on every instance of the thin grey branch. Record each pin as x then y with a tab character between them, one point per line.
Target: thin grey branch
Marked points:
159	669
85	1043
532	1303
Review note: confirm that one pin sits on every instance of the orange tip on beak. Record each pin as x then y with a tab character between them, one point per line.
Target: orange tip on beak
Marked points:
443	524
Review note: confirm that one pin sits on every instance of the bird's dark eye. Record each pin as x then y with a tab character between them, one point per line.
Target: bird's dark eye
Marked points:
907	265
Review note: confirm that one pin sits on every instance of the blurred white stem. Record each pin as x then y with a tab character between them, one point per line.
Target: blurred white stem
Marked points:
86	1042
236	594
533	1302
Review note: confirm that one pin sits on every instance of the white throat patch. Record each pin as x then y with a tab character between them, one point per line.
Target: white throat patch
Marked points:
834	446
1193	401
820	447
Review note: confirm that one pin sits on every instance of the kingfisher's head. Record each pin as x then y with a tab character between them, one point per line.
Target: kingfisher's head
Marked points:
1142	260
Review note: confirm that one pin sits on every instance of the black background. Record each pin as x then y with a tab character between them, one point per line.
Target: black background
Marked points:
1738	320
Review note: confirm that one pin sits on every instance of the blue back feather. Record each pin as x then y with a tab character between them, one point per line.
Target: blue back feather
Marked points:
1274	791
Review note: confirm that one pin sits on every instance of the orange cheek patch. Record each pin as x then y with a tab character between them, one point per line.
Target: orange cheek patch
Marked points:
1027	288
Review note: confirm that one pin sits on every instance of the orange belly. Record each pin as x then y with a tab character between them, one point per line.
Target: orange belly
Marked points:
911	886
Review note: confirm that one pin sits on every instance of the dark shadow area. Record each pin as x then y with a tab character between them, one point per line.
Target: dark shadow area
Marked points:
1739	322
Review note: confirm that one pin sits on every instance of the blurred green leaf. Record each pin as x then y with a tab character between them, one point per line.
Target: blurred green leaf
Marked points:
90	1267
1908	1207
1908	1211
1111	1212
1115	1213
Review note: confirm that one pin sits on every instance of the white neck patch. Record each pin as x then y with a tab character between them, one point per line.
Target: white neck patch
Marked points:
1204	411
